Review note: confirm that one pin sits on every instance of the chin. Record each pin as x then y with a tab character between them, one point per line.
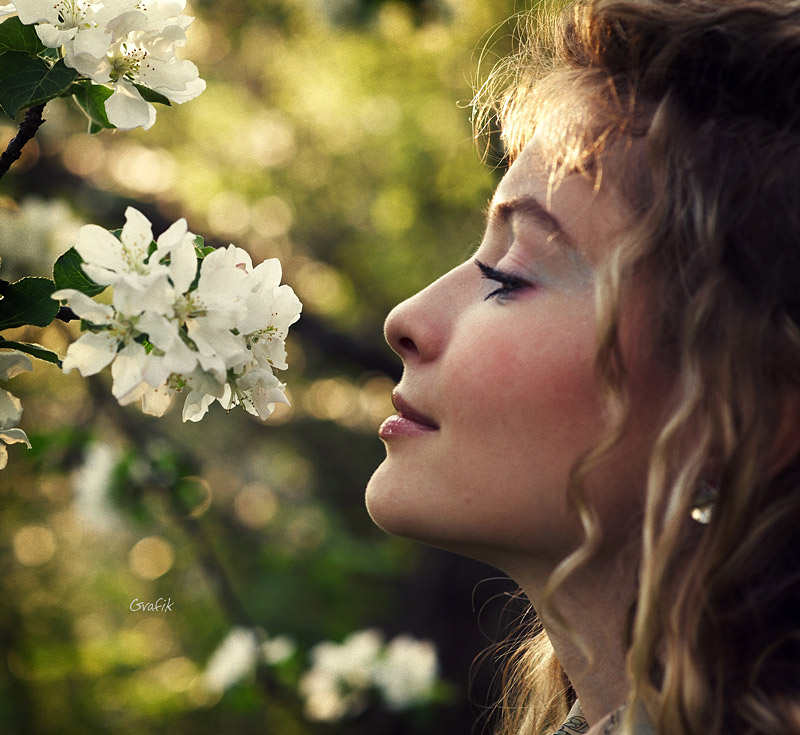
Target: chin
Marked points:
386	506
396	508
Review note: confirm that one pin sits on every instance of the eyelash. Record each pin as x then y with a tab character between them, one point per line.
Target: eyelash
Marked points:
508	281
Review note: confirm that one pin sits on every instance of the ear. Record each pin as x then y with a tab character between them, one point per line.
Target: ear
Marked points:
787	438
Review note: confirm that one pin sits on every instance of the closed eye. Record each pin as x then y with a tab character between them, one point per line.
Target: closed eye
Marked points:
508	281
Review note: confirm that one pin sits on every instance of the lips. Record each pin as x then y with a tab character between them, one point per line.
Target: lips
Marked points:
407	411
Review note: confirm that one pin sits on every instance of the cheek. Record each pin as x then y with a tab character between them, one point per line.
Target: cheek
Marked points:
534	376
520	406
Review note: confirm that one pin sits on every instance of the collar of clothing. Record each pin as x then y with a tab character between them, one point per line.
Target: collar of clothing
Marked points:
577	724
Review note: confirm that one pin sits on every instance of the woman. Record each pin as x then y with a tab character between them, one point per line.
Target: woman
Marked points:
604	401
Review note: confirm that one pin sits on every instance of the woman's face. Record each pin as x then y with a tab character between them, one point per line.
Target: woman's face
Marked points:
507	376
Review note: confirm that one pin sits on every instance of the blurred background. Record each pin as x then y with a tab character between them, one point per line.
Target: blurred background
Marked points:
334	135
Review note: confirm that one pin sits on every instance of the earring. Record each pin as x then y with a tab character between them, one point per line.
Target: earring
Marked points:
704	501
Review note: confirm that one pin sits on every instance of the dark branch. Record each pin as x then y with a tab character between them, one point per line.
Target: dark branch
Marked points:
27	129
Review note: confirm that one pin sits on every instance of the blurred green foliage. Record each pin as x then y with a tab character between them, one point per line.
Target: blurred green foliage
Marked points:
335	135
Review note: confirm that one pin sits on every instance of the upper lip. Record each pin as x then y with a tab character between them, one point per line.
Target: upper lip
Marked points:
407	411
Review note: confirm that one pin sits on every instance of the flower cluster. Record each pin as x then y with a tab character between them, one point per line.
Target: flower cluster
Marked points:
11	363
128	44
181	320
403	672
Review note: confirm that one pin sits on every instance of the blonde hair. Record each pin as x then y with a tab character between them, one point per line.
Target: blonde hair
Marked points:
712	89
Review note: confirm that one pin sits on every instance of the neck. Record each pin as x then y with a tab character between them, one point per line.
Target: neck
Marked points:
594	604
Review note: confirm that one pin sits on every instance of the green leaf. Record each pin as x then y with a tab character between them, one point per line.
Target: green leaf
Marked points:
32	349
151	96
91	98
28	301
67	273
26	81
14	36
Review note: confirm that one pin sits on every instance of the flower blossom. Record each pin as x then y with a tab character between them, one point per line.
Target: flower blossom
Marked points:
12	363
237	656
122	43
403	672
214	328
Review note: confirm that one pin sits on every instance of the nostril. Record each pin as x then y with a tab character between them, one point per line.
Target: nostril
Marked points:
407	345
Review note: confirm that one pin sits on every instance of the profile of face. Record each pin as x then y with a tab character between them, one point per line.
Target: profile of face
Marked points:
499	361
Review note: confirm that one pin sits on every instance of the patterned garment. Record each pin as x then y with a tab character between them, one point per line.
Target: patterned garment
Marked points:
577	724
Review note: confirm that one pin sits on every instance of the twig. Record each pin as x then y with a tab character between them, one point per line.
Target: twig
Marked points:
27	129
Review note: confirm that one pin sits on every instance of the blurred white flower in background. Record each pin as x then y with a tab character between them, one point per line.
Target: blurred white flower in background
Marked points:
34	233
407	672
238	654
216	329
12	363
404	674
276	650
90	484
234	658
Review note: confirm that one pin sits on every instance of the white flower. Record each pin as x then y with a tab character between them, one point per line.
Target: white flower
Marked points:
340	675
204	389
109	260
142	51
278	649
216	333
12	363
6	10
95	350
407	672
234	658
257	391
90	483
404	672
34	233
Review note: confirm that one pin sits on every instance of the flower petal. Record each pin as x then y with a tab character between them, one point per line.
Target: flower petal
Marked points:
171	236
15	436
10	410
36	11
12	363
137	234
127	374
99	247
54	37
85	307
196	405
93	42
91	353
183	264
127	110
156	401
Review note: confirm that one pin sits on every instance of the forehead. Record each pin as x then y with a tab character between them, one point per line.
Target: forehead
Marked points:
589	207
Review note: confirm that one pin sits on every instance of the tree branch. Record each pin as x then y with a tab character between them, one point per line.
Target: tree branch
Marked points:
27	129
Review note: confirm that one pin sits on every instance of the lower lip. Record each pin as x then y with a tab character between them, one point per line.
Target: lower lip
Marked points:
401	426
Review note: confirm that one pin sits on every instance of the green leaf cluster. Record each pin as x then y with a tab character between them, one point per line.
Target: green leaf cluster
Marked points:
28	75
29	302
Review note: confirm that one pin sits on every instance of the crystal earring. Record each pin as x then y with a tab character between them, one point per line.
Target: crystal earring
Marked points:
704	501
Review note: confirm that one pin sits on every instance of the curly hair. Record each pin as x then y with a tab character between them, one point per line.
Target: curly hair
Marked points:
711	88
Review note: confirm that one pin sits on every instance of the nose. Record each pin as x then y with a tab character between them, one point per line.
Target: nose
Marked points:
417	329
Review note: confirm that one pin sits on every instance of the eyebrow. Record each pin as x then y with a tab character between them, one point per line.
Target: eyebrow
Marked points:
503	211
